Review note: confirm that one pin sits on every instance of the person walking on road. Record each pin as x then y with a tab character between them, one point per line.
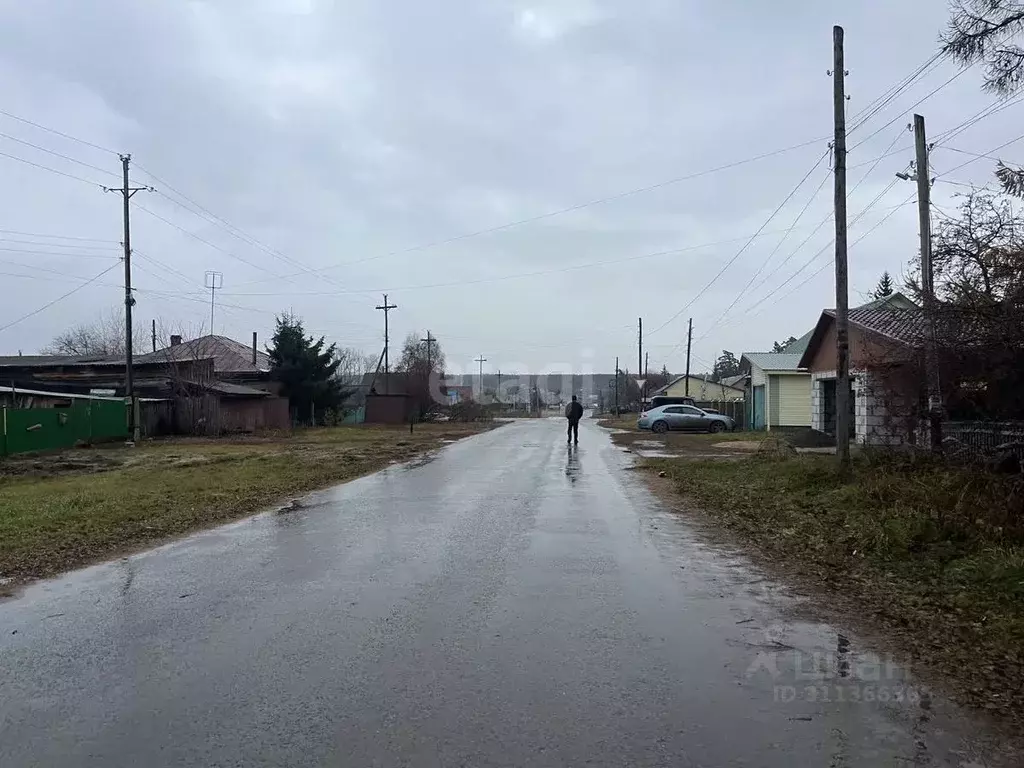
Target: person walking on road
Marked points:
573	413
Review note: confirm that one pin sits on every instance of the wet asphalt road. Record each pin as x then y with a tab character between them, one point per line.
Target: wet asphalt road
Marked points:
508	603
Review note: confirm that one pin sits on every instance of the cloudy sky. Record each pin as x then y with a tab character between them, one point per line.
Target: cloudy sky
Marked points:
338	149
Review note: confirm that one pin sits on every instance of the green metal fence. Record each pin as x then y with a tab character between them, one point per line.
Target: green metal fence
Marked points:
46	429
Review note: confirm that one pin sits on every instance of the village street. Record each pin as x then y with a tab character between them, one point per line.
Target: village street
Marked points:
508	601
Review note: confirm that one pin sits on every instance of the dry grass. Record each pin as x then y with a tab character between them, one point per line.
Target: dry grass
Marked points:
61	511
934	554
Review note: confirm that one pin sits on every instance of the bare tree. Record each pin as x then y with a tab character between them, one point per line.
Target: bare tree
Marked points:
978	264
978	255
354	364
424	368
102	337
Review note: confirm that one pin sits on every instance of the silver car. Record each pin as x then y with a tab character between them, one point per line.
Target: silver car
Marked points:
683	417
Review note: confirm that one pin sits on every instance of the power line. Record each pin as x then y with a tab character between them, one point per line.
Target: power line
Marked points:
58	154
518	275
811	235
171	270
219	221
908	109
57	237
771	255
742	249
889	96
51	170
58	253
58	299
206	242
57	133
975	159
831	261
570	209
56	245
983	114
979	155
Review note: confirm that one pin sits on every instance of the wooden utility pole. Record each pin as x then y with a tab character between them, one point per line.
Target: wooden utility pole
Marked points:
640	346
689	343
842	298
481	360
616	386
127	192
924	191
429	341
154	335
387	340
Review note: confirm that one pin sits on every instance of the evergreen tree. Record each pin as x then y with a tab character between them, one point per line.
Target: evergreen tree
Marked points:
780	346
884	287
306	369
726	365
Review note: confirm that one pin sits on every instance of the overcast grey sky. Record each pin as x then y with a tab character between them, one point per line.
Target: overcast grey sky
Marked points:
350	136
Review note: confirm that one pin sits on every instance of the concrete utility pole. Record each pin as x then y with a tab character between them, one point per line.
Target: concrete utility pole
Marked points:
497	392
387	341
689	343
481	360
127	192
842	291
924	191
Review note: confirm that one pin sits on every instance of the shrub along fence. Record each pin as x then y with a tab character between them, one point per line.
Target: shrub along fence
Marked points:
44	429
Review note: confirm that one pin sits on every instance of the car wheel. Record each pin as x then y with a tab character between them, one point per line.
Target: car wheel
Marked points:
716	426
659	427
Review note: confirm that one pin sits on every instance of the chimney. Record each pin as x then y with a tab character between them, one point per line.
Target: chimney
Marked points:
254	349
175	339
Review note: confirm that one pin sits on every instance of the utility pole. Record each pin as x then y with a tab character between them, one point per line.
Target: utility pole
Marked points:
214	281
387	340
481	360
640	345
126	193
616	386
154	334
647	359
689	343
497	392
429	341
842	290
924	190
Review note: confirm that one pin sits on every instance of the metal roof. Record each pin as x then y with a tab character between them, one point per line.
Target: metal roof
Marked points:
228	355
773	361
49	361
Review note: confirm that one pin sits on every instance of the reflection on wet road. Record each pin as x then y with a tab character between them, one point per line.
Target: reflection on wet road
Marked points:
511	602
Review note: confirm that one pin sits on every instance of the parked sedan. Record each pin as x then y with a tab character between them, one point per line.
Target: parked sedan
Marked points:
683	417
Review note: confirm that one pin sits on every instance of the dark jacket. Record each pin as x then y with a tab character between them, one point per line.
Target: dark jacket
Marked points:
574	411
